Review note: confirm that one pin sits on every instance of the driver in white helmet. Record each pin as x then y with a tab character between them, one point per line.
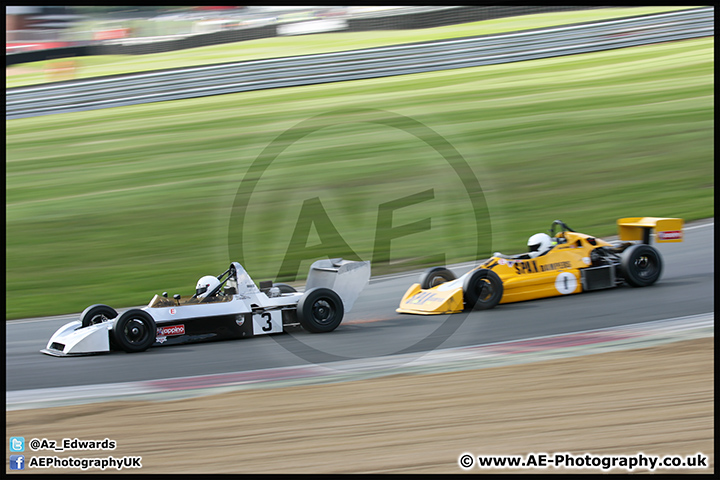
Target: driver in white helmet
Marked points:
539	244
205	285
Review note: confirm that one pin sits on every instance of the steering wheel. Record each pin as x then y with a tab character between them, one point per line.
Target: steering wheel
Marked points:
563	228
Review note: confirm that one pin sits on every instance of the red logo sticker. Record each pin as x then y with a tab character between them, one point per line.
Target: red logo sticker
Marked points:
670	235
173	330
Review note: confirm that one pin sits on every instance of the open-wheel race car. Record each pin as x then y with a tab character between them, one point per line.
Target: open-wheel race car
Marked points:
561	263
223	307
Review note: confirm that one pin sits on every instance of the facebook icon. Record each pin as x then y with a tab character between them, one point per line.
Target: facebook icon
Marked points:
17	462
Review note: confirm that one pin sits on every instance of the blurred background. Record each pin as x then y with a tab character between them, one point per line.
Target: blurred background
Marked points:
112	205
40	27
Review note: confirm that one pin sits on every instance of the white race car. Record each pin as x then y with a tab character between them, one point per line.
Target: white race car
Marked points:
223	307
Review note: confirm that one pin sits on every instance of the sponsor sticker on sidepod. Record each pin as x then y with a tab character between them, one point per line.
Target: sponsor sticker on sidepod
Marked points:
173	330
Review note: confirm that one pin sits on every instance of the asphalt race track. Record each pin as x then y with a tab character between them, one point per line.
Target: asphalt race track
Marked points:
373	328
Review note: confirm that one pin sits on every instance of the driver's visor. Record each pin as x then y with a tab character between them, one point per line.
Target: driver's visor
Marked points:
201	290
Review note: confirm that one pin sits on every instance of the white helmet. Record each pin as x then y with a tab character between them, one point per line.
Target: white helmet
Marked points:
540	243
206	285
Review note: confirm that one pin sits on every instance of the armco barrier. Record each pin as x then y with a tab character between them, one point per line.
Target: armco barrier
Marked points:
180	43
451	16
192	82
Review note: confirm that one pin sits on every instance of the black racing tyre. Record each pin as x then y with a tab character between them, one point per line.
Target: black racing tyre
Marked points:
134	331
641	265
285	288
97	314
482	289
320	310
434	276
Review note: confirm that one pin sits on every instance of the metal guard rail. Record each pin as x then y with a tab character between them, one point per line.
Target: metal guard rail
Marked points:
192	82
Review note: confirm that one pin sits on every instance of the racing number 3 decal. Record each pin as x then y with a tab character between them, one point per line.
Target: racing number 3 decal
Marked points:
566	283
267	322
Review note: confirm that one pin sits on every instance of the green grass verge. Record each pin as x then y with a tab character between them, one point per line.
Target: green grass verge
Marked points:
93	66
111	206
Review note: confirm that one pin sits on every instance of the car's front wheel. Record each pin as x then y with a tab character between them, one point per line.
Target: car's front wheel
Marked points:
434	276
97	314
134	331
320	310
483	289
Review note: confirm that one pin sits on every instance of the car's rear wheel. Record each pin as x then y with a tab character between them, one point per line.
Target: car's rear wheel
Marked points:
134	331
95	314
641	265
320	310
482	289
435	276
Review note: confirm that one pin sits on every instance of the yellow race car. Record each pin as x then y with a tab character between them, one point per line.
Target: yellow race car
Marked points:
561	263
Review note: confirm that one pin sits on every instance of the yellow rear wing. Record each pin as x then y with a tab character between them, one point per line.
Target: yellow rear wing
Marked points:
639	228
